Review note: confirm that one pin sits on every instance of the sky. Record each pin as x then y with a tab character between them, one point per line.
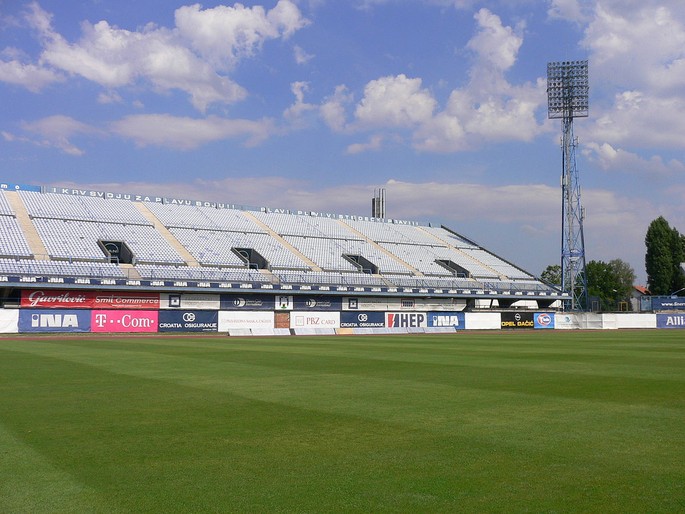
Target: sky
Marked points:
314	104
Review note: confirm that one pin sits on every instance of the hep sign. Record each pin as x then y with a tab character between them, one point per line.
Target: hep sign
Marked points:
405	319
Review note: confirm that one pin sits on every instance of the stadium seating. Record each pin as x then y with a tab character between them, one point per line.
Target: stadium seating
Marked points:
229	244
12	240
60	268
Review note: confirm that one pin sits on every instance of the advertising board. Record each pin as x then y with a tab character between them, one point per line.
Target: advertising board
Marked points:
670	320
257	302
317	303
125	300
362	319
56	299
229	320
314	319
355	303
64	299
446	319
543	320
124	321
9	321
180	301
188	321
673	303
517	320
54	320
406	319
483	321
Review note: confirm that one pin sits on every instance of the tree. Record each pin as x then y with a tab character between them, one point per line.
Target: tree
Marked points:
678	256
610	282
659	257
552	275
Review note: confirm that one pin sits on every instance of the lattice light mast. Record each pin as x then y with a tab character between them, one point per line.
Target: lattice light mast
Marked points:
567	98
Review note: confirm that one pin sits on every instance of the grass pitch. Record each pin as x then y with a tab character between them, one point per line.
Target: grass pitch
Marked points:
470	422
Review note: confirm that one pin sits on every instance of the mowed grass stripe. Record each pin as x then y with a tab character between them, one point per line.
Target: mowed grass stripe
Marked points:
369	437
512	351
627	380
33	483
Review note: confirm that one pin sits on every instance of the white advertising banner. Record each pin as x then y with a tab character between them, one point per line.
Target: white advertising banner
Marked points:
360	303
314	319
483	321
636	320
565	321
229	320
9	321
206	302
357	303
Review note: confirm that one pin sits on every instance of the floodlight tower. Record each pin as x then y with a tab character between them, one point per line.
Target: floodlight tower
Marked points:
567	98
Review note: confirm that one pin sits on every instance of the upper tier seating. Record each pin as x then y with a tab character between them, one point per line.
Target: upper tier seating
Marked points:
83	208
69	239
12	240
307	248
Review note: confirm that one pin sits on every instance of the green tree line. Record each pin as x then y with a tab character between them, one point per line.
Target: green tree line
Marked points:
610	283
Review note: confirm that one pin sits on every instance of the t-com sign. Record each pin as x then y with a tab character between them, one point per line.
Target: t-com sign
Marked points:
124	321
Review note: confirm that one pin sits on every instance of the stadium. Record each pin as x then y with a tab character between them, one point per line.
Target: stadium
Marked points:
124	388
83	260
79	260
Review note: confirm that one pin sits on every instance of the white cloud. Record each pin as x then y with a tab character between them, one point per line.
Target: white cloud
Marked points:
642	45
495	45
333	109
187	133
640	119
57	131
396	102
224	34
571	10
488	108
33	77
109	97
193	57
637	62
301	57
375	142
617	159
300	107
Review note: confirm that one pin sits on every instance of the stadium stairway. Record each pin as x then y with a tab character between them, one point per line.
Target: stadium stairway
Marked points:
481	263
175	243
40	253
130	271
381	249
285	243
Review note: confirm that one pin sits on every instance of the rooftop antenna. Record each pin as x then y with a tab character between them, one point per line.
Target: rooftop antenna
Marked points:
378	203
567	98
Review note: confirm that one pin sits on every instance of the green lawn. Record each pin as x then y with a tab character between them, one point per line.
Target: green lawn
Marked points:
470	422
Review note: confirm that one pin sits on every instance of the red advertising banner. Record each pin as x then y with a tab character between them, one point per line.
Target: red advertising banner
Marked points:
56	299
62	299
125	300
124	321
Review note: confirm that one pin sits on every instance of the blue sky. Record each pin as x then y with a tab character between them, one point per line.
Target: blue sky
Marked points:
313	104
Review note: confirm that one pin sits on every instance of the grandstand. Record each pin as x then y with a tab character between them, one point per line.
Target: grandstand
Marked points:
60	237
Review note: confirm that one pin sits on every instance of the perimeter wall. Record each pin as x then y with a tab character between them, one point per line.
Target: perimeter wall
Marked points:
238	315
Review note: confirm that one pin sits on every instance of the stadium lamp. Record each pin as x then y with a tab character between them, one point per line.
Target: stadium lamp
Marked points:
567	98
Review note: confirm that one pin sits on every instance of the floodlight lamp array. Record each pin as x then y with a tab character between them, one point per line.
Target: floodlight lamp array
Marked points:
567	89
